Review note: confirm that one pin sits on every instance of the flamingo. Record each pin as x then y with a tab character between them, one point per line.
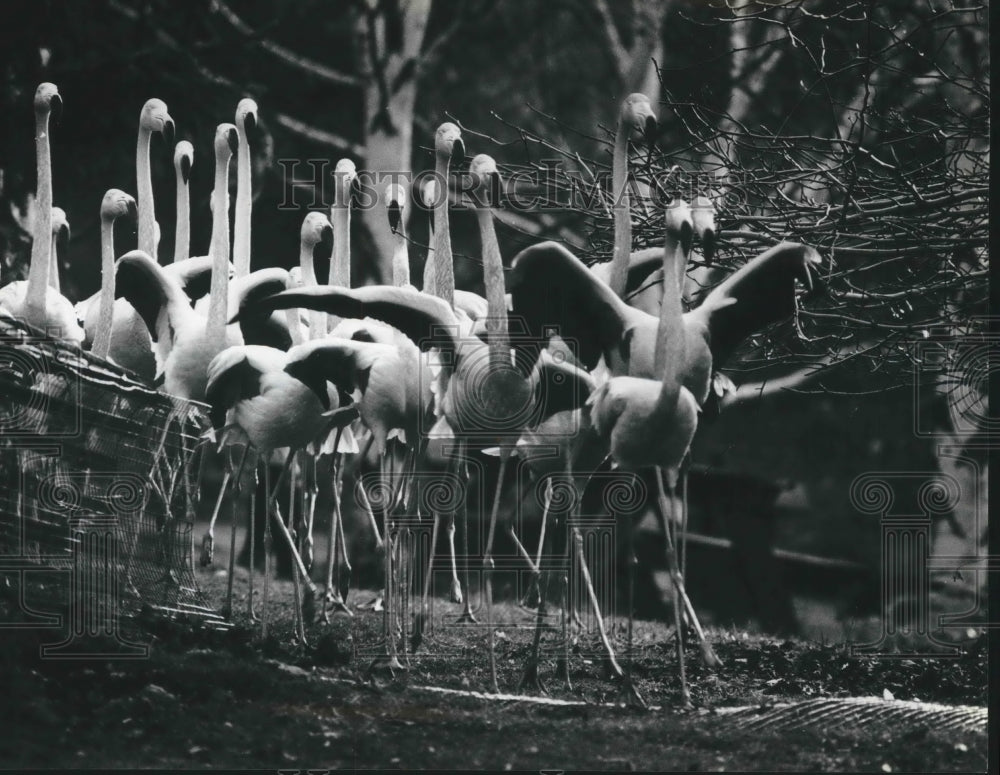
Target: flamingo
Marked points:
650	423
34	299
252	388
116	203
186	341
183	160
550	287
246	121
60	236
154	117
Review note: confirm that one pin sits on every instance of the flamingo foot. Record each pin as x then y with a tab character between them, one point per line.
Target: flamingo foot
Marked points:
466	617
629	695
333	603
375	604
530	679
708	655
386	663
562	671
207	550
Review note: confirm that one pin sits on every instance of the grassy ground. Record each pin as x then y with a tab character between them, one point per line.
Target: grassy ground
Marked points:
230	699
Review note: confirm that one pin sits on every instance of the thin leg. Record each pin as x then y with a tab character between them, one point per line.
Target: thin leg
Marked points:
530	678
685	467
488	567
208	542
331	597
420	620
311	495
344	571
253	508
534	590
234	506
268	545
389	661
467	617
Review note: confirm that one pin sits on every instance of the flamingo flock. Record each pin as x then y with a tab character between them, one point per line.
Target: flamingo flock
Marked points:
610	368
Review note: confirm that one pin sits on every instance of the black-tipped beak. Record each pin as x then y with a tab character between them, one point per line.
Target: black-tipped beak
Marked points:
708	245
131	210
326	238
249	123
234	140
649	130
395	215
186	170
458	151
55	108
168	132
301	372
686	237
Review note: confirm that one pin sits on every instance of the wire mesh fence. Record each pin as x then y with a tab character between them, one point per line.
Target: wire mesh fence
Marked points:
98	491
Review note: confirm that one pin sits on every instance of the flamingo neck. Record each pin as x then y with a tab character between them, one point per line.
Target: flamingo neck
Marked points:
670	340
219	250
244	206
400	260
340	265
496	292
317	320
54	264
144	198
620	211
102	339
430	273
444	269
182	238
41	246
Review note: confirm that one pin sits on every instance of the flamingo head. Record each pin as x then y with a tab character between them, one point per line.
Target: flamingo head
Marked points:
448	142
47	100
345	176
227	140
316	229
155	118
678	223
116	204
60	225
246	116
183	159
703	223
486	180
637	113
395	202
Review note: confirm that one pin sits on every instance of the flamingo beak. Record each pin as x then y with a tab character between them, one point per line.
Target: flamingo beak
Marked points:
55	108
234	139
326	237
250	122
131	211
168	132
186	170
708	245
395	215
649	129
686	236
457	151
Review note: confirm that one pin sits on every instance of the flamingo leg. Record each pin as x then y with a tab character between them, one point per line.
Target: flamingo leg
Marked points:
296	590
237	487
344	577
421	617
389	660
530	677
268	545
331	597
208	542
488	566
466	617
253	508
309	595
311	493
534	591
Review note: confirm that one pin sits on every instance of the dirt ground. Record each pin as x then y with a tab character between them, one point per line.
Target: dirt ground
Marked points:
208	698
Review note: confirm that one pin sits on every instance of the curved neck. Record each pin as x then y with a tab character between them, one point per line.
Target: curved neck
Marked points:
182	234
41	246
620	211
219	250
102	339
493	280
244	206
444	269
144	199
670	340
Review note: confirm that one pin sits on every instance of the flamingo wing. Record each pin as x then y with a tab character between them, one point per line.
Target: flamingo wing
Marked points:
147	287
759	293
553	292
